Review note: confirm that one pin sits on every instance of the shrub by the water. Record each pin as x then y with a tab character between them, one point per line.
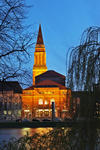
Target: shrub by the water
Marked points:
57	139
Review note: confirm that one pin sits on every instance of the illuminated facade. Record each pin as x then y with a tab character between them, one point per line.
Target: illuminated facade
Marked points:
48	86
10	100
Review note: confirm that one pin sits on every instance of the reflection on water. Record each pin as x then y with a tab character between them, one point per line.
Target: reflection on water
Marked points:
43	130
6	134
84	137
31	131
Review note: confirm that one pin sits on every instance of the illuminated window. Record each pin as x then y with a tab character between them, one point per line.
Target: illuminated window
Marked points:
46	113
5	112
41	113
46	102
52	100
19	112
26	110
9	112
40	101
37	113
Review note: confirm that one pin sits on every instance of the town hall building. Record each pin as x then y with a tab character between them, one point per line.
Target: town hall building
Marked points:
48	86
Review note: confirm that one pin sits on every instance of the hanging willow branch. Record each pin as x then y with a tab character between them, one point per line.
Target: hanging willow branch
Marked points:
84	61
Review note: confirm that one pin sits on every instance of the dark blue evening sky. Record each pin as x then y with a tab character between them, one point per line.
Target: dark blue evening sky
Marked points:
63	22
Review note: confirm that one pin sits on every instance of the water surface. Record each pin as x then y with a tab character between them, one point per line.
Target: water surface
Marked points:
6	134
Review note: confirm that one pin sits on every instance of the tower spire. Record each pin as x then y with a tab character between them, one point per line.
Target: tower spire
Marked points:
40	38
39	66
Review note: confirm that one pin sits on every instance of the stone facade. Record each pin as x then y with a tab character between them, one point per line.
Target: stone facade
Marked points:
10	100
48	86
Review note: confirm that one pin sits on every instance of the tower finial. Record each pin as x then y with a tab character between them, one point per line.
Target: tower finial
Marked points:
40	38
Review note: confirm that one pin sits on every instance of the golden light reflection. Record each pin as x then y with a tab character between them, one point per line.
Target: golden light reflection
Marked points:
32	131
25	131
43	130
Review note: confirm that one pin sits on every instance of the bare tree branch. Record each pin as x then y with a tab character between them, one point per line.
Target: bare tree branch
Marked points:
15	40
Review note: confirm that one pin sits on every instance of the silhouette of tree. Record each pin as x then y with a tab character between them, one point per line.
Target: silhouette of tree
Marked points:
15	40
84	65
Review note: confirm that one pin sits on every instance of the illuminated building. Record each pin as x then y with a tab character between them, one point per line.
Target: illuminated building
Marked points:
10	100
48	86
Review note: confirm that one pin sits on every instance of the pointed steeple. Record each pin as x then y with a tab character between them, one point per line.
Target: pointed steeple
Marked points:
40	38
39	66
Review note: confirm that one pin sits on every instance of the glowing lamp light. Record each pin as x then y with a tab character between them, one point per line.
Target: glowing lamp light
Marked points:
52	100
46	102
40	101
26	110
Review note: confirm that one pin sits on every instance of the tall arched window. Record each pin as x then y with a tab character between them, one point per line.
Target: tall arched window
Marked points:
40	101
46	102
52	100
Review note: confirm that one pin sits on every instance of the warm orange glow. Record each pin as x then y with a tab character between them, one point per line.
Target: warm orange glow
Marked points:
46	102
27	110
39	103
39	61
36	102
52	100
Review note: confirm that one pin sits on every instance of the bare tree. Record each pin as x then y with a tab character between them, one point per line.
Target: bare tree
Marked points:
15	40
84	61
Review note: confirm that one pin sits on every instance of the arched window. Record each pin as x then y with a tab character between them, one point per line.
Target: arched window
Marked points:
52	100
46	102
41	101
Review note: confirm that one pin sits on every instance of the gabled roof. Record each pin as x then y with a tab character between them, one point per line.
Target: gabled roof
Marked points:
49	83
51	73
10	86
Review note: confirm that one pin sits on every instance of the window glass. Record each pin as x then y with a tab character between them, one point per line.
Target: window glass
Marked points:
46	102
52	100
40	101
9	112
5	112
46	113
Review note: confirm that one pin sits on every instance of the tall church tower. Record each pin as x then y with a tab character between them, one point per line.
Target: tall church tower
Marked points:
39	57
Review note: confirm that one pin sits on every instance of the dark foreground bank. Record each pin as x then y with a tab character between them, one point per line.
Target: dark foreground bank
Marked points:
48	124
81	138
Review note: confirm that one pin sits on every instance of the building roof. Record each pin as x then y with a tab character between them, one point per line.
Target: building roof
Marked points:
30	88
46	83
10	86
49	83
40	38
50	73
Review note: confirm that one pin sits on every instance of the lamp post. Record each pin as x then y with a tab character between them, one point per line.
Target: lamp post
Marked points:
53	111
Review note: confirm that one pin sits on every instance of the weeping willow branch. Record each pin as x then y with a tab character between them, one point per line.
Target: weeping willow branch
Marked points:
83	68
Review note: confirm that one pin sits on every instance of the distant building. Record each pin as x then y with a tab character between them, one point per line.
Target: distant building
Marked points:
48	86
86	104
10	100
97	98
96	90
